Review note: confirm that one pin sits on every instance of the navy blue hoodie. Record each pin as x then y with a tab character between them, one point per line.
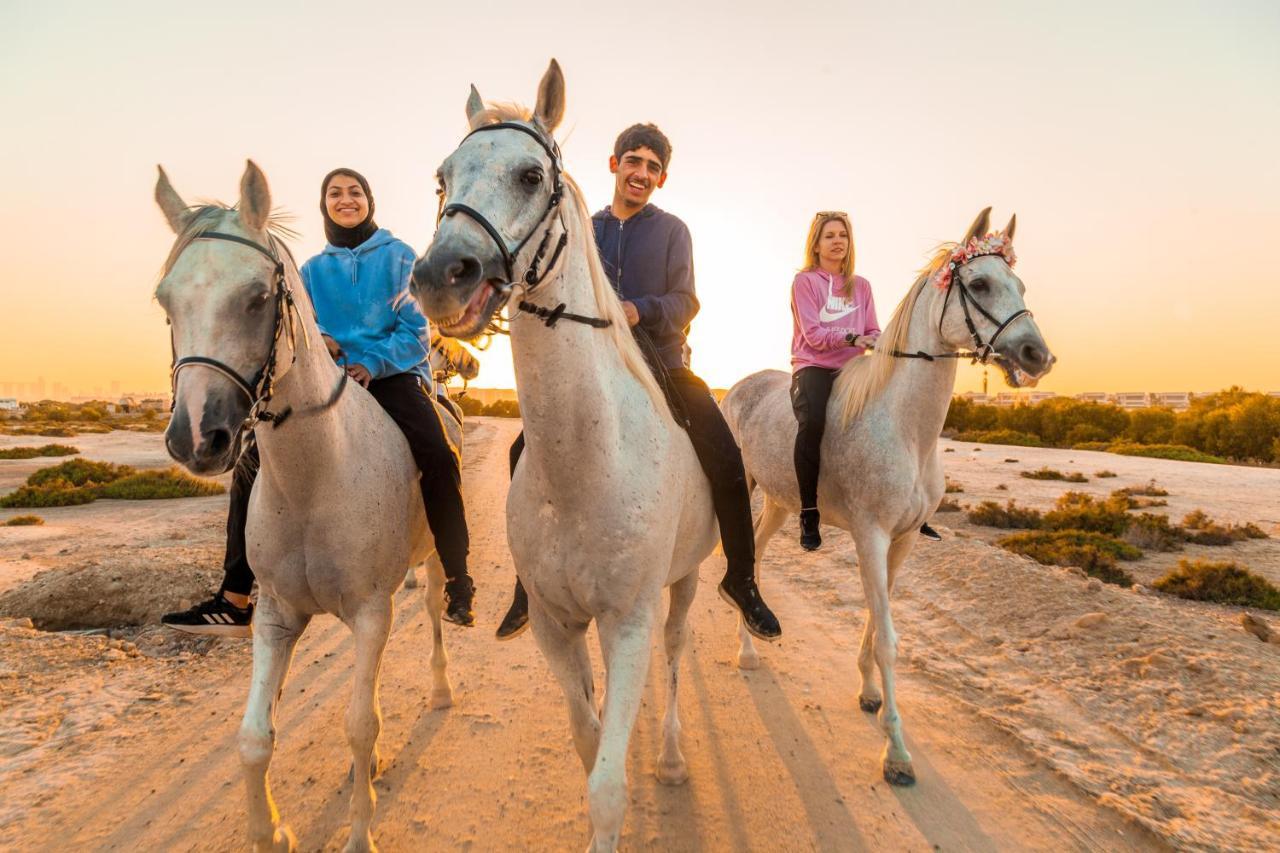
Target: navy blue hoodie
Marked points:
649	261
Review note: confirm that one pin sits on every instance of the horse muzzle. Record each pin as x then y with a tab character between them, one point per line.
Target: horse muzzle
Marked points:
453	290
1025	360
213	446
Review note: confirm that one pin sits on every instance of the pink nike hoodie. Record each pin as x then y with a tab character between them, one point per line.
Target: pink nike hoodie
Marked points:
821	318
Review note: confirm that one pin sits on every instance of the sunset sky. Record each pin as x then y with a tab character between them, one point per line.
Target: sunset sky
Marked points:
1137	142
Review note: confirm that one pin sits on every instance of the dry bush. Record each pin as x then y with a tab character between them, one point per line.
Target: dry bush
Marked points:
1153	532
1150	490
948	505
80	481
1223	583
24	521
1007	517
1104	474
953	488
1203	530
33	452
1079	511
1001	487
1095	553
1047	473
159	485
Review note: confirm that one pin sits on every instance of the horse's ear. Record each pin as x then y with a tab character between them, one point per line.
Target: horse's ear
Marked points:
550	108
1011	227
175	209
475	106
255	197
979	226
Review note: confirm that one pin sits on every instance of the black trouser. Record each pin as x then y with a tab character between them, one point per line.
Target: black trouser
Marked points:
810	390
406	399
721	460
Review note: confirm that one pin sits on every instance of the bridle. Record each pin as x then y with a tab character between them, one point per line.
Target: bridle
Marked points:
534	275
982	351
260	388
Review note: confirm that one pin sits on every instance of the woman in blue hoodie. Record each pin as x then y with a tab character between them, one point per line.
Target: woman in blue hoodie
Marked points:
357	284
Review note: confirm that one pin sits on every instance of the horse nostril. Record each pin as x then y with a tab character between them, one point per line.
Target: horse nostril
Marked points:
216	443
462	271
1032	356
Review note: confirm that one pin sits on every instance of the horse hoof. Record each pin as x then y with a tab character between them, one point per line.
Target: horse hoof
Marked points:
360	845
869	704
673	773
748	660
441	699
282	841
411	581
901	775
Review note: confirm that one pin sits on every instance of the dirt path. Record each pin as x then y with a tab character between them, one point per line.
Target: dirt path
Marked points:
142	753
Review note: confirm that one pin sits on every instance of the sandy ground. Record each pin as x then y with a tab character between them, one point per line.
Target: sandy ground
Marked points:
1044	711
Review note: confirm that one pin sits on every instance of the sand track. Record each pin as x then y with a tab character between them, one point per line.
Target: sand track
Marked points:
1155	727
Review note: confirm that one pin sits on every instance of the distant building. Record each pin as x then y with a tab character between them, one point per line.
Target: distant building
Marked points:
1005	399
1033	397
976	397
1092	397
1179	400
154	404
8	404
1132	399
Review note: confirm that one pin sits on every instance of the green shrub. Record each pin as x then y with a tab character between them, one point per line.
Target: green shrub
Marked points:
502	409
1153	532
1104	474
1095	553
33	452
1008	517
1203	530
1091	445
1001	436
470	405
55	493
1085	434
1079	511
24	521
158	485
1223	583
1180	452
80	472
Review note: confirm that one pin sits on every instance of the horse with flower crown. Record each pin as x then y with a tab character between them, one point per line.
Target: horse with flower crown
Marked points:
881	476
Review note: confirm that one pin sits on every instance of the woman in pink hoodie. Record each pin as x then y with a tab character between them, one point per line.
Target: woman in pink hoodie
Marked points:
834	320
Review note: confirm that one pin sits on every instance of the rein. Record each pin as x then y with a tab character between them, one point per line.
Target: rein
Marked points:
532	276
260	389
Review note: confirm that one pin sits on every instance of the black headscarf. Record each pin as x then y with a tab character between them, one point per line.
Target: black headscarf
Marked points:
337	235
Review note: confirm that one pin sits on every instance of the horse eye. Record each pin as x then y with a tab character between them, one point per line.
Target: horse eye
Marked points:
979	284
532	177
259	300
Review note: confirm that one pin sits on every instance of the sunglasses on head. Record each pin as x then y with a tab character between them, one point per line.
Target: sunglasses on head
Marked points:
824	214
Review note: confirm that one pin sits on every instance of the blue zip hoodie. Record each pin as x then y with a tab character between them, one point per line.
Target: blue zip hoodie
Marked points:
362	302
649	261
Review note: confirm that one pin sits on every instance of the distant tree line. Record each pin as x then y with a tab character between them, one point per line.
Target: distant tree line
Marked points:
496	409
1235	424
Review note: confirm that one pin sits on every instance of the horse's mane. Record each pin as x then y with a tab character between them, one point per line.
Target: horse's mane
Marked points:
607	302
210	215
862	379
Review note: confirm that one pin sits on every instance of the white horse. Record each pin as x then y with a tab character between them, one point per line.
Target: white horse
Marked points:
608	504
880	476
336	515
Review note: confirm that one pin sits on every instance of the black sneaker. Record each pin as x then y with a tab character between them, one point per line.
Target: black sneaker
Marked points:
458	594
517	619
929	533
810	536
216	617
756	615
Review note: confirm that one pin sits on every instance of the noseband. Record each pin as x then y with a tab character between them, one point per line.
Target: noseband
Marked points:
260	388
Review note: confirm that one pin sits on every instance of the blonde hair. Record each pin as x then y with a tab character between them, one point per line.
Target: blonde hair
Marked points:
820	221
862	379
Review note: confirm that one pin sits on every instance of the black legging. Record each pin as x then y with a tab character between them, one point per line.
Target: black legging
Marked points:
810	391
406	399
721	460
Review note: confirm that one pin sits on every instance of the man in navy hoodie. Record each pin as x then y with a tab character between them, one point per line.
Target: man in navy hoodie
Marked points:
648	256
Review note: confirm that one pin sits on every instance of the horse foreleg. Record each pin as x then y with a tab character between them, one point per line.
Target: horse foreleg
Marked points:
364	722
873	561
672	769
275	633
869	693
441	689
625	642
565	649
771	518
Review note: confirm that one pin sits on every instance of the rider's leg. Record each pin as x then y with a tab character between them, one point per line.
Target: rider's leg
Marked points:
810	391
517	618
406	398
721	459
